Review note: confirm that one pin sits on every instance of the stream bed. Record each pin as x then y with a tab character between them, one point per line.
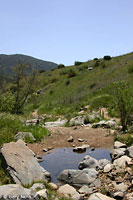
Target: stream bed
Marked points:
64	158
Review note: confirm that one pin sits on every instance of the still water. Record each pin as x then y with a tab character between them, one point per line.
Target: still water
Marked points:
64	158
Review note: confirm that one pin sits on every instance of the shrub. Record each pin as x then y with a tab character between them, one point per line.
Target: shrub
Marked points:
80	69
42	71
61	66
95	59
107	57
97	63
64	72
130	69
67	82
92	85
71	74
54	80
77	63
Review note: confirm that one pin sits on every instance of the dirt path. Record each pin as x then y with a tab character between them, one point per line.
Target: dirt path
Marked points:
59	135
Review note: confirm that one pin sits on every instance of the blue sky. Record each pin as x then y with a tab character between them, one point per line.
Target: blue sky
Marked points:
63	31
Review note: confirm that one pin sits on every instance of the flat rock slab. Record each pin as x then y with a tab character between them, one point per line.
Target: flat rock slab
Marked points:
21	164
99	196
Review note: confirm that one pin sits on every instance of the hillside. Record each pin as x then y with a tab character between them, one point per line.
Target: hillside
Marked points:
7	62
66	90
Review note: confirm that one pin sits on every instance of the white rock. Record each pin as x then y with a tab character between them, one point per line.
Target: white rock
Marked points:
99	196
85	190
43	194
118	145
108	168
122	162
120	187
53	186
36	186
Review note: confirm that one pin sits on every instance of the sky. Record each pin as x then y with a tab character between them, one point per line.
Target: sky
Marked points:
65	31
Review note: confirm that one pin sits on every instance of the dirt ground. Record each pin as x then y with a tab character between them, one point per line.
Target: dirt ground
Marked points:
59	135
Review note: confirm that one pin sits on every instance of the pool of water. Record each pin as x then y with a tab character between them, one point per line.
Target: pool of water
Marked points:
64	158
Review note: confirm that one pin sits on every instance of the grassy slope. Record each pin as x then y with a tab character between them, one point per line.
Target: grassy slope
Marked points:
58	97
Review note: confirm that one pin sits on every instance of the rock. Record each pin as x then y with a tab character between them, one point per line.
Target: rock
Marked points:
131	129
70	139
92	148
80	140
32	122
99	196
76	121
43	194
118	145
37	186
68	191
117	153
81	148
78	177
50	148
122	161
24	136
21	164
58	123
88	162
130	151
45	150
14	190
103	162
85	190
120	187
119	195
108	168
53	186
105	124
97	183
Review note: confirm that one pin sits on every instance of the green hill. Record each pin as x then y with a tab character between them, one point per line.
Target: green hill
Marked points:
66	90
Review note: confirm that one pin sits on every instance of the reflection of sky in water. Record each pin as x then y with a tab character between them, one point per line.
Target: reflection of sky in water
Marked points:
65	158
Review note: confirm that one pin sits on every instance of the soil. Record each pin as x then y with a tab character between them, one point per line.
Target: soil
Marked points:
58	139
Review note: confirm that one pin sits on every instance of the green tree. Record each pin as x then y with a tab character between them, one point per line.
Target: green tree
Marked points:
123	102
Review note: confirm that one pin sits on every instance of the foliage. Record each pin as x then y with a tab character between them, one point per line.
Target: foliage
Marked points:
125	138
71	74
77	63
107	57
61	66
67	82
130	69
123	102
100	101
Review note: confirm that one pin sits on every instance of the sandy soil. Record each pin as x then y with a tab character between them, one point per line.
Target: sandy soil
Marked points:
59	135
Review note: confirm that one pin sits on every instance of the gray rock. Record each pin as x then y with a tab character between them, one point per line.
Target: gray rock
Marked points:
81	148
21	164
37	186
85	190
24	135
130	151
80	140
88	162
68	191
14	190
117	153
79	120
105	124
119	195
99	196
97	183
122	162
103	162
78	177
118	145
53	186
32	122
120	187
58	123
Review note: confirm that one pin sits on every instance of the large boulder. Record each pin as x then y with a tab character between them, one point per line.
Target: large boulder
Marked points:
122	162
99	196
105	124
79	120
117	153
118	145
58	123
21	164
88	162
81	148
78	177
130	151
14	190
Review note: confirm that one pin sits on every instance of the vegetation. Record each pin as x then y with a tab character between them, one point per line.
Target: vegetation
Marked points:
77	63
61	66
107	57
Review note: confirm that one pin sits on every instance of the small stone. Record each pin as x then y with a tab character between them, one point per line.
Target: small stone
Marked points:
45	150
120	187
85	190
50	148
119	195
70	139
108	168
53	186
36	186
92	148
81	140
43	194
118	145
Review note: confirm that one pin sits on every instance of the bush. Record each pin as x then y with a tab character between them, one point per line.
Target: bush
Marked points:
60	66
64	72
67	82
71	74
130	69
54	80
100	101
107	58
77	63
95	59
42	71
97	63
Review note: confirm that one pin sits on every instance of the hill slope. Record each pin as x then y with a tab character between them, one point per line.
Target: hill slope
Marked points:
7	62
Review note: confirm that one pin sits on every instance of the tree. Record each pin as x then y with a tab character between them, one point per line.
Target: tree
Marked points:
24	78
123	102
